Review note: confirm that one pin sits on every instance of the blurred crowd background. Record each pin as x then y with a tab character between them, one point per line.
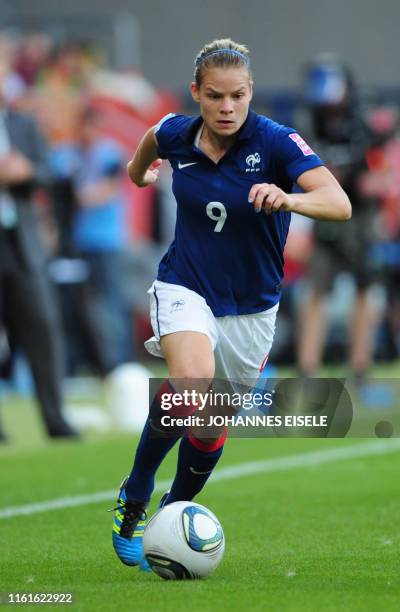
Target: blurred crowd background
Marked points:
82	80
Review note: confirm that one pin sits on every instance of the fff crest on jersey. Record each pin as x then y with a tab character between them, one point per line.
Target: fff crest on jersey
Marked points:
253	162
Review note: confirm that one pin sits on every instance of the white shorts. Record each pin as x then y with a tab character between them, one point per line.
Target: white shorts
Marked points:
241	343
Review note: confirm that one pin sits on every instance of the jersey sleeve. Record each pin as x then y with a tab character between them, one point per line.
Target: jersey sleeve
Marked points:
294	154
166	131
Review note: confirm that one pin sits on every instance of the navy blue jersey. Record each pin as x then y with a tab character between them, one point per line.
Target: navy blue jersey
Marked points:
223	249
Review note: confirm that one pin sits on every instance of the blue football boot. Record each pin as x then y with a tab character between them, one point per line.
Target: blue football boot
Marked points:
127	535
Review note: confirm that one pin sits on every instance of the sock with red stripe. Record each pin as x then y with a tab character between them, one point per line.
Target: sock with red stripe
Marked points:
154	445
196	461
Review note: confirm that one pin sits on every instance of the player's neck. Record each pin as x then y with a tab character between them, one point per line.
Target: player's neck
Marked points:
213	145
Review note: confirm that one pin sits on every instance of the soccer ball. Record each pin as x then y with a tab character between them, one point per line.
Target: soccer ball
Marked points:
183	540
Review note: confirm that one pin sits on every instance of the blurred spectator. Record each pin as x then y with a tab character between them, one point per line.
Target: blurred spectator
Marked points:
27	306
94	166
59	87
31	56
383	181
71	273
13	84
342	140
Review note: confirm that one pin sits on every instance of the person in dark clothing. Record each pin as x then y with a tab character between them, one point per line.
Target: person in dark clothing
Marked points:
83	340
343	139
28	311
88	178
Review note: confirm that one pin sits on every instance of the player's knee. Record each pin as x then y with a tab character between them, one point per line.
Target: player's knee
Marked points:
193	371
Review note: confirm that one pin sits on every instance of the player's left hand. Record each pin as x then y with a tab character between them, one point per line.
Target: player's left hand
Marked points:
268	197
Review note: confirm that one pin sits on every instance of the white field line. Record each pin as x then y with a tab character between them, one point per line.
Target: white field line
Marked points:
310	459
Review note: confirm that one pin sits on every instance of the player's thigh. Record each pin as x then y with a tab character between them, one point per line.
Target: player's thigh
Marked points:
189	355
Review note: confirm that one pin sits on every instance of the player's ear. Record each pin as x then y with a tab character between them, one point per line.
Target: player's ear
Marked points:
251	89
195	92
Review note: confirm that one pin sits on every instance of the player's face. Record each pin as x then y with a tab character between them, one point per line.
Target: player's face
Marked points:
224	97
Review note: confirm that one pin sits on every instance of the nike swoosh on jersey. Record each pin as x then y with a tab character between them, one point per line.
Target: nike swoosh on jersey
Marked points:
180	166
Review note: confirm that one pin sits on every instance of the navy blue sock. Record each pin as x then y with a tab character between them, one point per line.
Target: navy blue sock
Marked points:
149	455
194	469
154	444
152	448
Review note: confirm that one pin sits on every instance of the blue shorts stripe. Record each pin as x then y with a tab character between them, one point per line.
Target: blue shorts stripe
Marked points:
158	322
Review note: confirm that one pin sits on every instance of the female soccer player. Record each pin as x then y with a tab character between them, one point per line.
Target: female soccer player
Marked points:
214	303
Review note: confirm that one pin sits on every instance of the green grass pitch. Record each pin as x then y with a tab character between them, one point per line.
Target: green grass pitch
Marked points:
323	537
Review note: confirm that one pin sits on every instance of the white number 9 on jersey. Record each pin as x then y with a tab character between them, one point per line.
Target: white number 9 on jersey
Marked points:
220	217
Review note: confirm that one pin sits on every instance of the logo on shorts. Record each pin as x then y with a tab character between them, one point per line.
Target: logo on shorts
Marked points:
253	160
177	305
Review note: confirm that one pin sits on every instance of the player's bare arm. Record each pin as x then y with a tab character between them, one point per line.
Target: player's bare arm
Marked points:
323	197
144	166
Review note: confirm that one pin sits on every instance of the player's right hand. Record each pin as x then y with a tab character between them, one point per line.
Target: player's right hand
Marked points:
150	176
